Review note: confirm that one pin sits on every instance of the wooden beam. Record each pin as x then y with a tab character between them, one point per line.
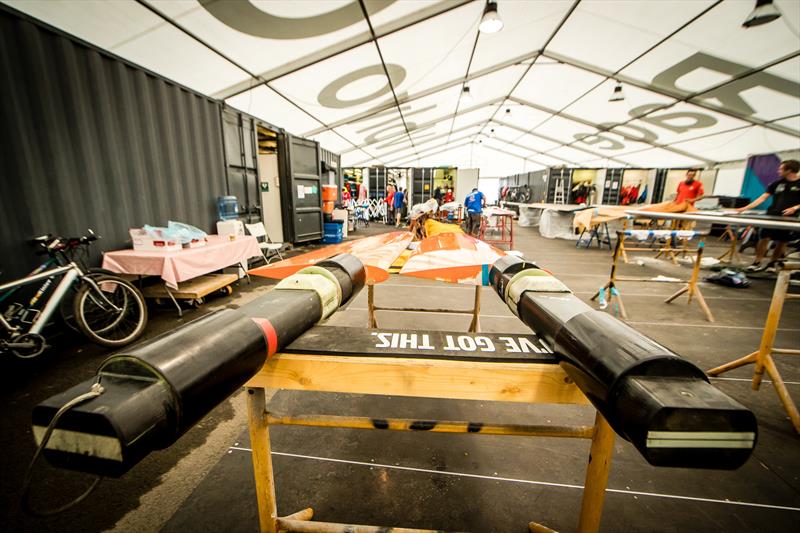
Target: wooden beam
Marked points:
427	378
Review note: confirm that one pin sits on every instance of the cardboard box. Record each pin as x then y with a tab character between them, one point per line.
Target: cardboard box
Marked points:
196	243
143	242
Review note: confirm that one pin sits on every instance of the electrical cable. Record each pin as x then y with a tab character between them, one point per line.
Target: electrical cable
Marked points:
95	391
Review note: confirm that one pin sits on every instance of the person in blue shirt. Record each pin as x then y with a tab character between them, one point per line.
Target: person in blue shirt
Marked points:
474	204
399	200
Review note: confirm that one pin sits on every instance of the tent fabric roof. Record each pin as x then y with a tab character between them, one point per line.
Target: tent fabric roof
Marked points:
379	81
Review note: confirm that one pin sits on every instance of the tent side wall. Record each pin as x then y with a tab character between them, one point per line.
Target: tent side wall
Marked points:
91	141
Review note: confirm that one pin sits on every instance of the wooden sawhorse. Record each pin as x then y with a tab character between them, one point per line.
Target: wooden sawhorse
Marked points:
475	312
762	357
598	230
431	378
731	255
666	249
689	288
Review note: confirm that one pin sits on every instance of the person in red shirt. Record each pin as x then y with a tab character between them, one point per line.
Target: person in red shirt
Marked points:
689	190
389	204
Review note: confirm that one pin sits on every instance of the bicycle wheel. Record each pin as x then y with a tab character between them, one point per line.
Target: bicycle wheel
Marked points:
100	321
67	304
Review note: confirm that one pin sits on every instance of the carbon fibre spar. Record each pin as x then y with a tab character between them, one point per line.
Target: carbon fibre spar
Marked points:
651	396
155	391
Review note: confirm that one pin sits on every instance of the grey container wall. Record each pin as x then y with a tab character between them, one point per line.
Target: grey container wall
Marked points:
89	140
537	181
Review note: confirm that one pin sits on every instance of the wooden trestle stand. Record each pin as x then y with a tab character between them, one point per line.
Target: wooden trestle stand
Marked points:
392	372
475	312
666	250
690	287
731	255
762	358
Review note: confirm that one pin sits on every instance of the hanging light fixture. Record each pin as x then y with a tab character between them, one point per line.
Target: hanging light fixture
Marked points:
765	11
617	95
491	133
490	22
466	95
507	115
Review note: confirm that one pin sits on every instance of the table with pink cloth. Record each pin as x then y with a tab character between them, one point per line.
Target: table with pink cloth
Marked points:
185	264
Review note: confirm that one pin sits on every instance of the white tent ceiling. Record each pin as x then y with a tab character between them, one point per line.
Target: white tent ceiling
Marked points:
379	81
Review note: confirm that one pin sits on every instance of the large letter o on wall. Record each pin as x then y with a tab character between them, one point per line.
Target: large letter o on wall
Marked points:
328	96
243	16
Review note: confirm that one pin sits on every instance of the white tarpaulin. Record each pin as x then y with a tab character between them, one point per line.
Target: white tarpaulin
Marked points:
380	82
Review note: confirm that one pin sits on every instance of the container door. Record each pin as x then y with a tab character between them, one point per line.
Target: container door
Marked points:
658	186
612	186
299	167
423	186
559	186
241	163
377	183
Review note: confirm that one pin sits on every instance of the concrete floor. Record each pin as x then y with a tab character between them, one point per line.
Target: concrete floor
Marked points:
455	482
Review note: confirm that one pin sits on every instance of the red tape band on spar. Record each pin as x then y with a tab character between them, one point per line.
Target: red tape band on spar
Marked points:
269	335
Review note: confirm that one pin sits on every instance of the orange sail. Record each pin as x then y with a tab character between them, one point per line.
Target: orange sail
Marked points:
377	253
454	258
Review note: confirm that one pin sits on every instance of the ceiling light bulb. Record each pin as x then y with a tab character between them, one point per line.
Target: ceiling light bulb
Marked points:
466	95
617	95
491	132
490	22
507	114
765	11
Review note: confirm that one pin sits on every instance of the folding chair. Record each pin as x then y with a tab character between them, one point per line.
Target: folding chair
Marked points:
269	249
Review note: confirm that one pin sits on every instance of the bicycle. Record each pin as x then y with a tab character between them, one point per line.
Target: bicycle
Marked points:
107	309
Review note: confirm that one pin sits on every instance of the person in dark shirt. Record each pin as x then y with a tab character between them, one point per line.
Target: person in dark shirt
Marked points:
437	195
785	194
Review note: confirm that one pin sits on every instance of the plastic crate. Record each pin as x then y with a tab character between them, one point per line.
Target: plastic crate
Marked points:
332	232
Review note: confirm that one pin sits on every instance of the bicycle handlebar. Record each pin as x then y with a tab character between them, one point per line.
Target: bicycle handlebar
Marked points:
51	244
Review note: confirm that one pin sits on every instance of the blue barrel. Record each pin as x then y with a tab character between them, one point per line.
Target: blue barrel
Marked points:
227	207
332	232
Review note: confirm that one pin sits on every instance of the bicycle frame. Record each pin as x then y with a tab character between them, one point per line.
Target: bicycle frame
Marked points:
41	268
71	273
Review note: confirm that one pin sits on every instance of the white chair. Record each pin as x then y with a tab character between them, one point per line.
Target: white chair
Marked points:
269	249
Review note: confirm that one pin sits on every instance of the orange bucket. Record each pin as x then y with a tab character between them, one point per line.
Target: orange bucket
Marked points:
329	193
327	207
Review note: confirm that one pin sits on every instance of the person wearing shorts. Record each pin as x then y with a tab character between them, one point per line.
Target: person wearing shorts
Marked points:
785	195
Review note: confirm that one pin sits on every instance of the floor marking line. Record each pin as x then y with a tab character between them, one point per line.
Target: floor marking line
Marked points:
670	324
564	275
750	380
524	481
676	324
430	313
632	295
432	286
640	295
